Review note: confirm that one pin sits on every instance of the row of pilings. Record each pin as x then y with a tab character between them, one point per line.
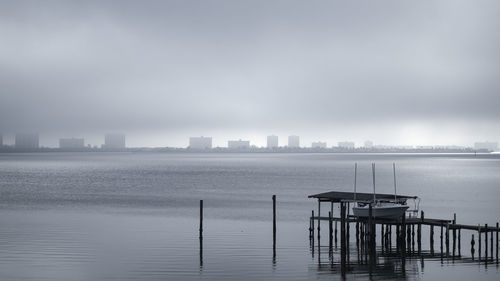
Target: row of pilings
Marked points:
408	237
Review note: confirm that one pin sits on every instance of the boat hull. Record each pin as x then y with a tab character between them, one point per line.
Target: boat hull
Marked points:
381	212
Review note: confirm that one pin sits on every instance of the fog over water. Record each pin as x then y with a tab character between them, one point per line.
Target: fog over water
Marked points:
395	72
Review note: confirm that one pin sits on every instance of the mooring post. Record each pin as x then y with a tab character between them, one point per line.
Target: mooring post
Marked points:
441	238
201	219
382	236
312	225
402	242
274	225
460	242
419	233
398	238
432	239
479	242
372	235
491	245
408	237
454	233
472	243
330	232
357	234
342	239
447	239
497	244
486	243
348	233
319	216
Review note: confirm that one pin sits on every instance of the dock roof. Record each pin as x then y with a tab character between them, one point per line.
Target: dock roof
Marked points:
341	196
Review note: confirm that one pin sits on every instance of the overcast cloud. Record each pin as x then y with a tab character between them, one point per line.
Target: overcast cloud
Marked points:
392	71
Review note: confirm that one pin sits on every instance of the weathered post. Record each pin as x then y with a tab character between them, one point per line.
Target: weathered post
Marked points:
447	239
419	233
357	234
432	239
441	237
319	217
398	239
497	245
408	239
382	237
201	219
336	234
402	242
486	243
274	225
472	243
342	239
454	233
312	226
413	238
479	242
330	232
371	235
491	245
460	242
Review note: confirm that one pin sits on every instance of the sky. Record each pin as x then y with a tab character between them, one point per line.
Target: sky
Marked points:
394	72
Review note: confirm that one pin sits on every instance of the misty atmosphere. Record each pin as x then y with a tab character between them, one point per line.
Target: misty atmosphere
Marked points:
249	140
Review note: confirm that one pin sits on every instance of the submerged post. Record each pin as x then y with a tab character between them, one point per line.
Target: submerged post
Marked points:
274	225
330	232
454	233
497	245
319	216
479	242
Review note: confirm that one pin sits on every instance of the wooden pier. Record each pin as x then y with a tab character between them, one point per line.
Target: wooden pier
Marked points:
406	228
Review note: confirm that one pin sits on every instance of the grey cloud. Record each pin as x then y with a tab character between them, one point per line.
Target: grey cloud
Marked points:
171	65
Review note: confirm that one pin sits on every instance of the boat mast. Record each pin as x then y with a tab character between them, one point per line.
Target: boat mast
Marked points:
373	172
394	172
355	174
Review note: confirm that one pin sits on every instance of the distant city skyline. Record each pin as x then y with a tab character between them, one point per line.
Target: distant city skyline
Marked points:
257	141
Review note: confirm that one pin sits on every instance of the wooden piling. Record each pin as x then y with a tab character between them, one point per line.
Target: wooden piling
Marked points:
460	242
342	238
479	242
330	232
274	225
413	238
472	243
441	238
398	239
447	239
319	216
402	242
454	234
357	234
497	244
372	235
431	234
201	219
408	239
382	237
486	243
491	245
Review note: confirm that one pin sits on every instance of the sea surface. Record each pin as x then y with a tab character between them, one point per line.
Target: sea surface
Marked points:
135	216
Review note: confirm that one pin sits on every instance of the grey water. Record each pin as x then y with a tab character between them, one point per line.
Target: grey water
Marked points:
134	216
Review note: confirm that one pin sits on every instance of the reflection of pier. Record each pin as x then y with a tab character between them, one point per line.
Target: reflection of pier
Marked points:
408	234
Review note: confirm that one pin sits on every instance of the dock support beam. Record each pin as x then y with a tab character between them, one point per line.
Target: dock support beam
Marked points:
330	233
486	243
497	245
432	240
319	215
454	233
472	243
479	242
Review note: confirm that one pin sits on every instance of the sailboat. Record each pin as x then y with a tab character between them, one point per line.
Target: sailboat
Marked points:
380	208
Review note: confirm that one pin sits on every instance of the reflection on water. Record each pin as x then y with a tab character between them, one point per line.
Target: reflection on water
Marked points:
135	217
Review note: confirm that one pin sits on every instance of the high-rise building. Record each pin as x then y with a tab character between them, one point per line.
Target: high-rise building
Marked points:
72	143
272	141
490	146
293	141
27	141
114	141
200	142
241	144
346	144
368	144
318	144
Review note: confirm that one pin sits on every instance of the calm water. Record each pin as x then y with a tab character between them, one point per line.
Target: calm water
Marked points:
86	216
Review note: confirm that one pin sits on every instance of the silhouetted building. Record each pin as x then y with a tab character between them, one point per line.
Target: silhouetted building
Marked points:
233	144
490	146
114	141
318	144
27	141
346	144
72	143
1	140
272	141
200	142
293	141
368	144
